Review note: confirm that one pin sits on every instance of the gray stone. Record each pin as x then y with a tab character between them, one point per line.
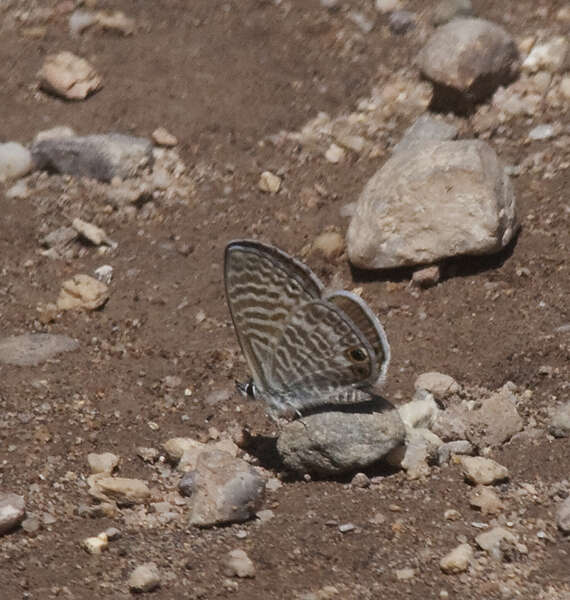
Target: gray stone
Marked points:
31	349
401	21
445	451
467	60
486	500
106	462
335	442
15	161
100	157
451	424
496	421
12	512
446	199
446	10
238	564
226	490
425	128
563	516
559	425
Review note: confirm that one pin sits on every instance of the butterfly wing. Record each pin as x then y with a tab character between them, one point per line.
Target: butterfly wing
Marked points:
321	357
263	286
367	323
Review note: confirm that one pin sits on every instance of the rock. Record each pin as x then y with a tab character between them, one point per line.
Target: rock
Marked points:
334	442
360	480
31	349
122	490
269	183
91	232
386	6
559	425
115	21
96	545
80	20
145	578
541	132
19	191
426	278
361	20
335	153
420	449
496	421
330	244
552	56
401	21
59	239
104	273
102	463
405	574
467	60
238	564
59	131
226	490
12	511
458	560
186	485
69	76
15	161
421	412
82	292
100	157
448	449
438	384
425	129
175	447
563	516
446	199
446	10
494	541
486	500
451	424
484	471
162	137
186	451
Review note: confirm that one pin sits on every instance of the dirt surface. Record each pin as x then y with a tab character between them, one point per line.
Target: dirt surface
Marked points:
222	77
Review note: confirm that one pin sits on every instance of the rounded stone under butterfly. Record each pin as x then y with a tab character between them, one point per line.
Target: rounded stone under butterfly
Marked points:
305	347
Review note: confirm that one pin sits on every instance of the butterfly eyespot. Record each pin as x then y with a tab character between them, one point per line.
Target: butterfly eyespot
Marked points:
357	354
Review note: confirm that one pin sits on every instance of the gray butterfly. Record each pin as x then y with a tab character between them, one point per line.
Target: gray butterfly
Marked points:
306	348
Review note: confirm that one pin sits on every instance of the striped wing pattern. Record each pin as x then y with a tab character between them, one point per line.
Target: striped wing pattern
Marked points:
304	350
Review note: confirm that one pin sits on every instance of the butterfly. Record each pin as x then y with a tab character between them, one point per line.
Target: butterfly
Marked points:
306	347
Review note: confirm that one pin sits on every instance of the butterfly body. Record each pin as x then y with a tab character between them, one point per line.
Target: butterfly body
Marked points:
305	348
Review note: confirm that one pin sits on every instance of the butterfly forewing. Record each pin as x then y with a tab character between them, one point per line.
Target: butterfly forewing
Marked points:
263	287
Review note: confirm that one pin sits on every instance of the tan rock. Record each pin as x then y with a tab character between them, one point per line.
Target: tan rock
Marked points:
82	292
69	76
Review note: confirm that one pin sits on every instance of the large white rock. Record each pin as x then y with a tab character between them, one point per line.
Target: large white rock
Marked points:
15	161
445	199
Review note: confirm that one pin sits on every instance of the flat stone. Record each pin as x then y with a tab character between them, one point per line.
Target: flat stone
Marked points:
484	471
335	442
124	491
100	157
82	292
494	540
70	76
31	349
448	449
12	512
105	462
445	199
486	500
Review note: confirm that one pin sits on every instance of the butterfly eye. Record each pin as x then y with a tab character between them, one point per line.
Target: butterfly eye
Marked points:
357	355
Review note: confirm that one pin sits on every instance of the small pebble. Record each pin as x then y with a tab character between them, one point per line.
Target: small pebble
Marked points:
145	578
238	564
269	183
346	527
